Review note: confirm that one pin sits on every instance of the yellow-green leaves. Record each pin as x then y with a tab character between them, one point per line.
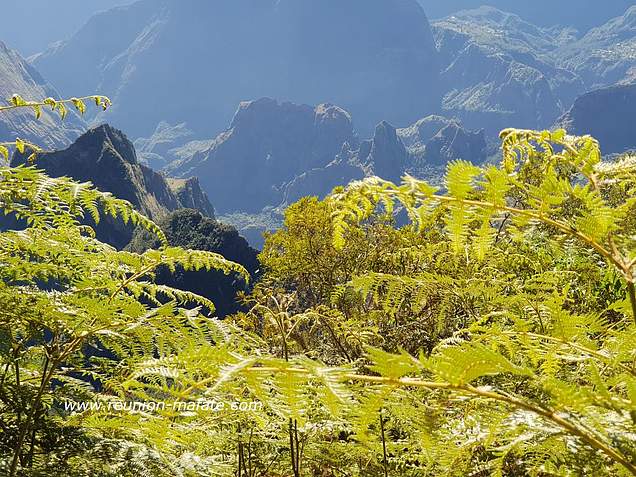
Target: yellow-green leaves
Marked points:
57	105
102	102
391	365
18	101
460	179
20	145
4	152
464	364
79	105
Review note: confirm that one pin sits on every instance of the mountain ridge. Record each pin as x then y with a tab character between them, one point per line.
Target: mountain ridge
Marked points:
105	157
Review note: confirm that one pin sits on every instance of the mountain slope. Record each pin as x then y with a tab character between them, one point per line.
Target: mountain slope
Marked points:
190	229
105	157
18	77
194	60
40	15
608	115
606	54
499	71
267	144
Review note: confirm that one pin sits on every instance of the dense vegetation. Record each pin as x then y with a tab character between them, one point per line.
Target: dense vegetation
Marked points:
189	229
490	335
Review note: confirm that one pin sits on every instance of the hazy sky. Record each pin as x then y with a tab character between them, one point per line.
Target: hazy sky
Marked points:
51	20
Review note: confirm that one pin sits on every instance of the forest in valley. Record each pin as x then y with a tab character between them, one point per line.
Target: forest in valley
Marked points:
451	293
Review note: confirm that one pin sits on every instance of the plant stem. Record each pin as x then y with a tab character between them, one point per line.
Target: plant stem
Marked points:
46	377
384	460
631	288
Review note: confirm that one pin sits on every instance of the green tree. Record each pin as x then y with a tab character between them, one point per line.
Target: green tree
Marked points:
76	311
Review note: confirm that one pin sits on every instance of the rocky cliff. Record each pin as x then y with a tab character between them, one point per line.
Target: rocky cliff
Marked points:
105	157
268	144
429	143
608	115
194	60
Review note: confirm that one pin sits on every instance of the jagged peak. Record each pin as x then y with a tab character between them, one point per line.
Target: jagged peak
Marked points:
384	130
105	134
328	111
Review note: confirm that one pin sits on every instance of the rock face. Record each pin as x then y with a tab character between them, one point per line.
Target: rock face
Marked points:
430	142
190	195
436	140
606	114
605	55
18	77
499	73
384	155
376	58
267	145
274	153
105	157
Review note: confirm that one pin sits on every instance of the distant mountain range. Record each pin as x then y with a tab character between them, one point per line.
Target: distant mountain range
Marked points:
420	94
273	153
193	61
505	72
190	62
578	14
69	15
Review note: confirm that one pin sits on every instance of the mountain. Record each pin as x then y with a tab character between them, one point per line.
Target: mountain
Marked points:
384	155
267	144
72	14
193	60
30	31
606	54
190	229
105	157
429	144
19	77
274	152
436	140
578	14
606	114
499	71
